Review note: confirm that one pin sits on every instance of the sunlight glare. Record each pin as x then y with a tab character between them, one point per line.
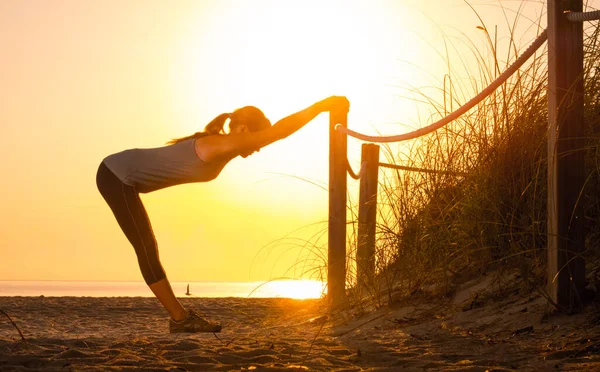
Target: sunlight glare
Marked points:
284	56
296	289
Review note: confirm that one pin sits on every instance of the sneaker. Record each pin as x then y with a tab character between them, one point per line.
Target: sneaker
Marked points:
193	323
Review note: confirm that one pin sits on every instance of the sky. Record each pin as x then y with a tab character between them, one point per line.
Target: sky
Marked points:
84	79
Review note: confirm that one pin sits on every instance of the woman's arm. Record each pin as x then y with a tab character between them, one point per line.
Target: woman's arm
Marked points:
231	145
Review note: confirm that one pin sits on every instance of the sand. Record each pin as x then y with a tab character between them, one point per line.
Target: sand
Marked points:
77	333
469	332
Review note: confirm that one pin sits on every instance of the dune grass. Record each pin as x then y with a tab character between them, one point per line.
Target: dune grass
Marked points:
436	231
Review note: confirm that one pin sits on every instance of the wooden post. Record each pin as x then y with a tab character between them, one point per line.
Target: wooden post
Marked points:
566	270
336	260
367	215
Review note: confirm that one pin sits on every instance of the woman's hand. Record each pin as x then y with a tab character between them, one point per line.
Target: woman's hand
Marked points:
335	103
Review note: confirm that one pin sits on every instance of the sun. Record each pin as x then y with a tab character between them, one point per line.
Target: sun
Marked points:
282	56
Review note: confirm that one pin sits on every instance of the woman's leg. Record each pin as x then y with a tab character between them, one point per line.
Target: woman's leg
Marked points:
131	215
163	291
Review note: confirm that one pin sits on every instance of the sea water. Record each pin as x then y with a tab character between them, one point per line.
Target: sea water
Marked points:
277	288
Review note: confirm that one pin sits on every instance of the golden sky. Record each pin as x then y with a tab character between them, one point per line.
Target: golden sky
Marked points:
83	79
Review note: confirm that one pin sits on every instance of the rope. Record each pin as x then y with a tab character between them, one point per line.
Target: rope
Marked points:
583	16
537	43
361	172
412	169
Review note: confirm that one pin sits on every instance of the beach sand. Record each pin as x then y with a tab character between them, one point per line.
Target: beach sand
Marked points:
465	333
79	333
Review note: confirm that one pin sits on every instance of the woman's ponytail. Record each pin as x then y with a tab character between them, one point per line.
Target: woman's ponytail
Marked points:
216	126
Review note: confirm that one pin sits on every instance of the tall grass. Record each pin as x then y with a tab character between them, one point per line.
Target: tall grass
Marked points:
434	230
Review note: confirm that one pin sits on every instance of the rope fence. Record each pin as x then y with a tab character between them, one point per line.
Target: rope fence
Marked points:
565	55
422	170
538	42
365	165
361	172
583	16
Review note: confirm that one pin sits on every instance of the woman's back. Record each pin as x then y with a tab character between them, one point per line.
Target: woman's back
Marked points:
152	169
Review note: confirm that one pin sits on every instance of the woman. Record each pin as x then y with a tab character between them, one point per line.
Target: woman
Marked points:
196	158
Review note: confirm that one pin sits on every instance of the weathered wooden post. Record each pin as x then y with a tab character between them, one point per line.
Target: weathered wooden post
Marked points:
367	215
336	258
566	270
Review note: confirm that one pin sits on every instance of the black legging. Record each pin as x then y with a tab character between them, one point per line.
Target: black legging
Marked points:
131	215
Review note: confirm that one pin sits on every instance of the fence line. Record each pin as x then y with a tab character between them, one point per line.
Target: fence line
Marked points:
422	170
361	172
565	55
538	42
367	215
566	172
583	16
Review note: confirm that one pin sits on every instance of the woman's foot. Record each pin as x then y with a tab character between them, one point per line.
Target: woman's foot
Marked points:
193	323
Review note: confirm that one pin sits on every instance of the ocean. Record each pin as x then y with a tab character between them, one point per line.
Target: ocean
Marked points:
279	288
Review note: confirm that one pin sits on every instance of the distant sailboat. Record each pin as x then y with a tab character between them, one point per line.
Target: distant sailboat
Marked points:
188	291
